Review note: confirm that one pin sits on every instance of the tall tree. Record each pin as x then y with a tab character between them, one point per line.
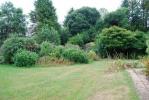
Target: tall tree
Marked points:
125	3
12	20
46	13
138	13
117	18
81	19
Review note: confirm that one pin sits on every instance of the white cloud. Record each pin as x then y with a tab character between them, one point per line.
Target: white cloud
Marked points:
63	6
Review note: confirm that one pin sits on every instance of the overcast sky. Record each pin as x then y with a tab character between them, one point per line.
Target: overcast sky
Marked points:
63	6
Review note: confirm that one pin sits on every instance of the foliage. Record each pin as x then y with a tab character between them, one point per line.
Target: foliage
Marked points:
117	40
10	47
48	34
89	35
138	14
92	55
77	40
81	20
64	36
45	13
84	37
147	43
33	16
125	3
145	61
89	46
75	55
57	52
1	59
31	45
25	58
12	21
117	18
46	48
68	45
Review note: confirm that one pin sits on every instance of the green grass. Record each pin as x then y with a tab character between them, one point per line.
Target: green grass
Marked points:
75	82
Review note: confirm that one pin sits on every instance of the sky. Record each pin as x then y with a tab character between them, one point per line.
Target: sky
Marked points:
63	6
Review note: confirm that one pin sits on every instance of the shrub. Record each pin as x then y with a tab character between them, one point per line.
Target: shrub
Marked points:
25	58
1	59
89	46
145	61
77	40
89	35
64	36
48	34
75	55
117	40
31	45
68	45
10	47
46	48
92	55
57	52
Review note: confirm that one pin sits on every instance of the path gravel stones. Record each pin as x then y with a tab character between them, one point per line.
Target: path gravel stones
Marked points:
141	83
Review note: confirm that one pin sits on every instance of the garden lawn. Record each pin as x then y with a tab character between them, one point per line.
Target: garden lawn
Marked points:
75	82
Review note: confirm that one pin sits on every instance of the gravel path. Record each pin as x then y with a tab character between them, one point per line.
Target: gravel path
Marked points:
141	83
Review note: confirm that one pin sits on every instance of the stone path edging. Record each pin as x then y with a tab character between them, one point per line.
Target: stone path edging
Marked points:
141	83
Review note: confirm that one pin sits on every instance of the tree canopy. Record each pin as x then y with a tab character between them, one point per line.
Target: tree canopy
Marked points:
12	20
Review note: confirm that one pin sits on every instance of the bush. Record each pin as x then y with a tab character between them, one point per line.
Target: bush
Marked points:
1	59
68	45
57	52
77	40
25	58
46	48
10	47
48	34
89	46
31	45
117	40
92	55
75	55
64	36
145	61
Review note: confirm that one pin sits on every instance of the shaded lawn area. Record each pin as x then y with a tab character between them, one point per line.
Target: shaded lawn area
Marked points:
74	82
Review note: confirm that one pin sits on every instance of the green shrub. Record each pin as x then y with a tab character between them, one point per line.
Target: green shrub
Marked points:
25	58
75	55
46	48
77	40
10	47
64	36
92	55
145	61
49	34
57	51
1	59
68	45
117	40
31	45
89	46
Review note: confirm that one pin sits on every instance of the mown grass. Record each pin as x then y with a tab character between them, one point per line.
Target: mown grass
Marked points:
74	82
